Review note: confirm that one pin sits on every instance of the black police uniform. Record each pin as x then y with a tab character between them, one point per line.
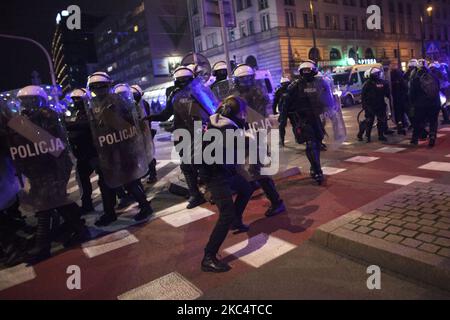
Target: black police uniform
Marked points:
400	100
303	98
426	107
278	97
373	93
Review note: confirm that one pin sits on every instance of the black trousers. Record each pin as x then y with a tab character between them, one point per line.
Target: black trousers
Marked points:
191	175
400	112
84	169
136	189
283	119
71	214
268	186
424	115
221	189
381	116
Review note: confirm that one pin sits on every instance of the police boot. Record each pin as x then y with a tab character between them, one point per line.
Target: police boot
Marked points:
125	202
382	138
138	193
432	141
77	230
106	219
210	263
275	208
446	119
317	176
152	177
424	134
239	227
362	129
42	244
313	154
401	129
87	206
196	198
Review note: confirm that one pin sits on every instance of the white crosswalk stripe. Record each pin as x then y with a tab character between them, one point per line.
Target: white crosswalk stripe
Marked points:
172	286
436	166
260	249
108	243
181	218
362	159
16	275
329	171
404	180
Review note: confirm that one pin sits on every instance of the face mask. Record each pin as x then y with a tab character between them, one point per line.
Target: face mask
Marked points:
137	97
100	92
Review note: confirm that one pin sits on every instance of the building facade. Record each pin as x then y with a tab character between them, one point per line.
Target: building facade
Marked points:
73	52
144	44
278	34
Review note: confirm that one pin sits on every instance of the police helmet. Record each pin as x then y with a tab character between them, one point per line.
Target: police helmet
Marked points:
413	63
244	75
32	96
220	70
308	68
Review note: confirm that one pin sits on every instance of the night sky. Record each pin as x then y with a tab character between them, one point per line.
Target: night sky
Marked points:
36	19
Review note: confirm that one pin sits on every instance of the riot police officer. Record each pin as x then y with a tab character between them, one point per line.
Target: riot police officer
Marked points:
245	86
83	149
119	141
40	152
12	245
439	73
424	94
375	89
412	67
309	96
220	72
284	84
180	104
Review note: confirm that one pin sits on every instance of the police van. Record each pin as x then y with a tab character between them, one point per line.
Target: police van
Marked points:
349	80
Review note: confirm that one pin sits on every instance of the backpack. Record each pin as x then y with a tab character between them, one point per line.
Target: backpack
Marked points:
429	85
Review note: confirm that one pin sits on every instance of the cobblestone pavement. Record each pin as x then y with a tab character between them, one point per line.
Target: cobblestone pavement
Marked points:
419	218
407	231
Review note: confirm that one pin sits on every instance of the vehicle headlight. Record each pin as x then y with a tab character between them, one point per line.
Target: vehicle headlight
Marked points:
443	99
337	93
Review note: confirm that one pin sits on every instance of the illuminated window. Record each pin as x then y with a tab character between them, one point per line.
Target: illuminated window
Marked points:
136	28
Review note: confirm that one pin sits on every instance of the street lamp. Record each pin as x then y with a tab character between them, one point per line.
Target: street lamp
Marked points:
429	10
47	55
311	8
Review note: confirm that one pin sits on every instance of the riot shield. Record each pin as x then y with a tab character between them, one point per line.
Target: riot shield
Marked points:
118	139
146	132
9	186
329	104
40	153
204	96
256	97
222	89
263	154
203	67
